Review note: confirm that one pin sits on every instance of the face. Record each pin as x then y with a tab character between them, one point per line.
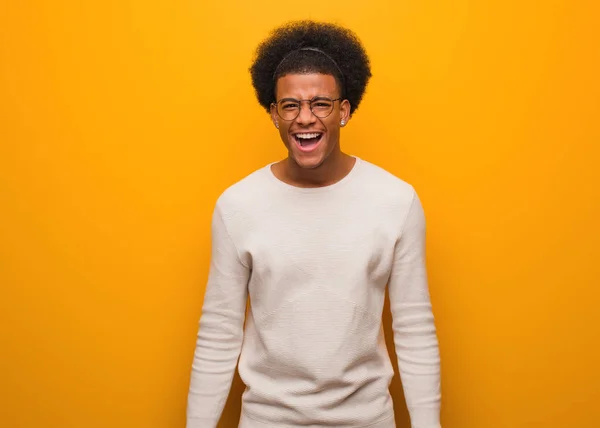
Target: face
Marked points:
310	140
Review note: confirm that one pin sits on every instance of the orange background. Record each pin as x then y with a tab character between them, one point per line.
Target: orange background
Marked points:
122	121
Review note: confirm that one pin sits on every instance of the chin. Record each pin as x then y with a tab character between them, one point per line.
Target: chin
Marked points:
308	163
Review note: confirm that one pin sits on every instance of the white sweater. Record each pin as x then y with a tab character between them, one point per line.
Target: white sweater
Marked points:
315	263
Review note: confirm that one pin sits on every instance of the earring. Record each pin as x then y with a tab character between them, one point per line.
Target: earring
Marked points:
277	125
342	123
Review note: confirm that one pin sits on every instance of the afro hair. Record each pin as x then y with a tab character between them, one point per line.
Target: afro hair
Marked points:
311	47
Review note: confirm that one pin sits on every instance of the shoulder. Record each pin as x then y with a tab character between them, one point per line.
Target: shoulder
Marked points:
395	200
243	194
385	186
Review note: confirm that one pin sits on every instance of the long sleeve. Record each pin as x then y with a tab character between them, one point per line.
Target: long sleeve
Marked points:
220	332
415	335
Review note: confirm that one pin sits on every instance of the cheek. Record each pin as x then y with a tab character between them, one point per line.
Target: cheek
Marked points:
334	136
333	126
283	133
283	129
333	121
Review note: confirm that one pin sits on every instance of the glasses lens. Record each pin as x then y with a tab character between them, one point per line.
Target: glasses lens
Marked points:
288	110
321	107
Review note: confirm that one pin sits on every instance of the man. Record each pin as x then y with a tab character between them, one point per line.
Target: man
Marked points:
313	241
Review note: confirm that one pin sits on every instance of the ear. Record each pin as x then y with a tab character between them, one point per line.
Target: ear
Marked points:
274	115
344	112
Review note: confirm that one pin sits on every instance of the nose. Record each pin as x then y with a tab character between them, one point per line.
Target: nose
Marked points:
306	116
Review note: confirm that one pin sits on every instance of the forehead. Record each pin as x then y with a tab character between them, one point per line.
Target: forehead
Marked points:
306	86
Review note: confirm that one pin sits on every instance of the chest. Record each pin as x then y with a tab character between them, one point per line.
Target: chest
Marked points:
346	251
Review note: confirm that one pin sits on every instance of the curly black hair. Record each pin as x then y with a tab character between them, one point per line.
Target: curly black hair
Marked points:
311	47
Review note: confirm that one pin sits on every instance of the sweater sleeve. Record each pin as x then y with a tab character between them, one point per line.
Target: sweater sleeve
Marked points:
220	330
414	330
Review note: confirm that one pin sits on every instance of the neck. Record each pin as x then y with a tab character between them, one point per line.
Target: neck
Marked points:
333	169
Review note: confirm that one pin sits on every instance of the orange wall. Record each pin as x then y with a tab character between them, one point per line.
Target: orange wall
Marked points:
122	121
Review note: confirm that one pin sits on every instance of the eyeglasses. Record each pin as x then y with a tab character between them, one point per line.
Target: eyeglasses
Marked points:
289	108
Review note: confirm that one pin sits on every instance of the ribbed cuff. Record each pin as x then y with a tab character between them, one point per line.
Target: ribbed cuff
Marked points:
425	417
200	423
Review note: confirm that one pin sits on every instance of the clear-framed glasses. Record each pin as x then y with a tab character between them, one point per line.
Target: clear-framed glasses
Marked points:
289	108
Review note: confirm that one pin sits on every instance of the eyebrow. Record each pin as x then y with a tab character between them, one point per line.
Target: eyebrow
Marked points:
313	98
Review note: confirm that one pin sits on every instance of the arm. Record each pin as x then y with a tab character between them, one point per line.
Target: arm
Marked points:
413	323
221	330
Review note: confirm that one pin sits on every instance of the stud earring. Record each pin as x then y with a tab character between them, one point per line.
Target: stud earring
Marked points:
342	123
277	125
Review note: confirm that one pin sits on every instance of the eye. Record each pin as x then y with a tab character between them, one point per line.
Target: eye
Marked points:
289	106
321	103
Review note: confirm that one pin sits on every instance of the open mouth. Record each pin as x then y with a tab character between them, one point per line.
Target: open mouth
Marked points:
308	141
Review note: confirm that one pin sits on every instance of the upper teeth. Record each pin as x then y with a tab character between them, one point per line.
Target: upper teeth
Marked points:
314	135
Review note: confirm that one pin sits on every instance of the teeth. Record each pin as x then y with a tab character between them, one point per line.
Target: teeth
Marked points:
308	136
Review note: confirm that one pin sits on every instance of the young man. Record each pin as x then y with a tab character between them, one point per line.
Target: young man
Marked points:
313	241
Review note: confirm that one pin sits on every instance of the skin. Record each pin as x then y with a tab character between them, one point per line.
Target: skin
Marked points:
327	164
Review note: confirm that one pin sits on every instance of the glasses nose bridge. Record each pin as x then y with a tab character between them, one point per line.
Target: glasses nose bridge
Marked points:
311	115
